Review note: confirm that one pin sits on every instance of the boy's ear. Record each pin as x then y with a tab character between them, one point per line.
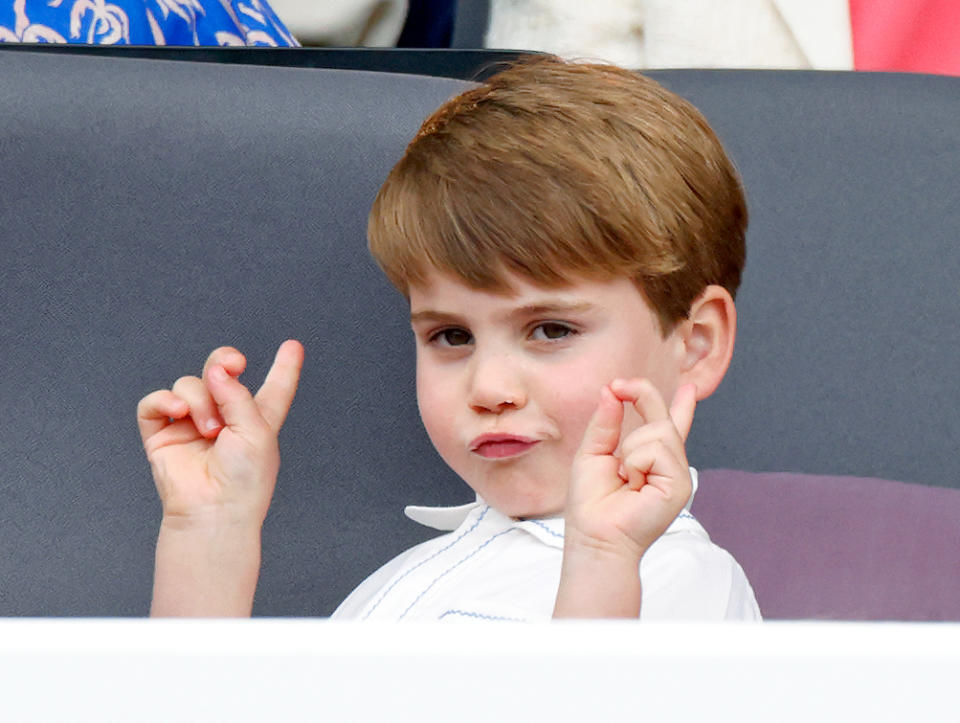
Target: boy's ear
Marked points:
708	335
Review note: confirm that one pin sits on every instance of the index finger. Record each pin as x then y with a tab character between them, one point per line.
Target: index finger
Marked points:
229	358
650	404
155	411
644	396
276	395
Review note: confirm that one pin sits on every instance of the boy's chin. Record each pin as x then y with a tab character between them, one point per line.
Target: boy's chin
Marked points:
515	491
527	509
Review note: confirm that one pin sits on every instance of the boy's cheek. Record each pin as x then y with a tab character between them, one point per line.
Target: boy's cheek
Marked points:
438	418
574	412
433	414
429	396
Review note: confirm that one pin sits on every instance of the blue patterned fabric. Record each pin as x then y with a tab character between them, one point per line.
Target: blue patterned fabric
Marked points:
143	22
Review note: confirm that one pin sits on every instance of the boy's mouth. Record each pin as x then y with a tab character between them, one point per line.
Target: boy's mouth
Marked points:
500	446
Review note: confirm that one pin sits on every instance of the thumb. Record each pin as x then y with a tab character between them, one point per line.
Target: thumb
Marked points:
602	434
234	402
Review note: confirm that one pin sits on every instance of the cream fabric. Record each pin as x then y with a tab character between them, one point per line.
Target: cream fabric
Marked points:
680	33
343	23
493	567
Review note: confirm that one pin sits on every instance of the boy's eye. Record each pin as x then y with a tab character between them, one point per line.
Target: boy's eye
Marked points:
551	331
452	337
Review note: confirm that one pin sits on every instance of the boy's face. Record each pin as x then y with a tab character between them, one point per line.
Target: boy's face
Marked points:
506	383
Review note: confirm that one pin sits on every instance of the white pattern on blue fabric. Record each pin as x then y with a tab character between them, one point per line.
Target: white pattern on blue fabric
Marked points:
426	560
143	22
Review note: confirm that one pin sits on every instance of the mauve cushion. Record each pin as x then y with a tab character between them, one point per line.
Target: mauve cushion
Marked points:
838	547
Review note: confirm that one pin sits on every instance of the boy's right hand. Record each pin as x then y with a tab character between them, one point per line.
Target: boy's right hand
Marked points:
212	446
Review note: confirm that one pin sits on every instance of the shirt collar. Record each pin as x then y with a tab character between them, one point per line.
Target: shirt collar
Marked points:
447	519
442	518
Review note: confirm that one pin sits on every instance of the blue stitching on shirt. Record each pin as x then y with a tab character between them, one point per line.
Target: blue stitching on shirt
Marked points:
686	516
426	560
538	523
479	616
452	568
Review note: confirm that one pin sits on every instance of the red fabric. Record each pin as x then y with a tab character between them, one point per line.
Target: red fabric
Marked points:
920	36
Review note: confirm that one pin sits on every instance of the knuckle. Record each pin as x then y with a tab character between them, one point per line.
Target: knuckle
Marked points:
634	460
642	388
184	383
221	354
217	354
153	402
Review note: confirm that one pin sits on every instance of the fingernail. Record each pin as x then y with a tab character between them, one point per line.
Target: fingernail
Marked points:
218	373
211	425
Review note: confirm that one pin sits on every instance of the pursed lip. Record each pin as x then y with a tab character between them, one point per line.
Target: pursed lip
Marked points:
500	446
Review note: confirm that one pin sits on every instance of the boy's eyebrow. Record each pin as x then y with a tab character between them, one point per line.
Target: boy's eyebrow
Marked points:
543	308
428	315
546	308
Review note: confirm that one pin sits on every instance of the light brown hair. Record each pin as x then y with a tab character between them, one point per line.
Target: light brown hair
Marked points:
554	170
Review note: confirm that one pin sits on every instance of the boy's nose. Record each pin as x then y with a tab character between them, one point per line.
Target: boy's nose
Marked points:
495	385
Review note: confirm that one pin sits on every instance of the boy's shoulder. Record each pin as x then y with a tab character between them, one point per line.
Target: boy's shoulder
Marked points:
686	576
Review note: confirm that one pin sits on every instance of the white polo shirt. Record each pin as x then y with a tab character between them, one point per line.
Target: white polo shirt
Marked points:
493	567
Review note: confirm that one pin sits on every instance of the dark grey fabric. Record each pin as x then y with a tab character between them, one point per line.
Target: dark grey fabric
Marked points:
849	339
466	63
151	211
838	548
470	23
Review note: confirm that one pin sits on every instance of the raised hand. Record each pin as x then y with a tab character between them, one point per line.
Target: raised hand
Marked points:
623	495
212	446
629	496
213	450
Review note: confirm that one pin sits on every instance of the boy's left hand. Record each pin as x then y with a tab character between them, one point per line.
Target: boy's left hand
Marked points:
621	500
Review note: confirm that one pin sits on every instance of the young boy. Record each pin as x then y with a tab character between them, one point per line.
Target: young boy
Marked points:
570	238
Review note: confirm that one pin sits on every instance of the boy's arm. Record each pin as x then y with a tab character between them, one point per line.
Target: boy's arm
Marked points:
620	503
205	572
213	450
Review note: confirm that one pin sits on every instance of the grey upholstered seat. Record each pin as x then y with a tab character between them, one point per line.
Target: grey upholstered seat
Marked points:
467	63
150	211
